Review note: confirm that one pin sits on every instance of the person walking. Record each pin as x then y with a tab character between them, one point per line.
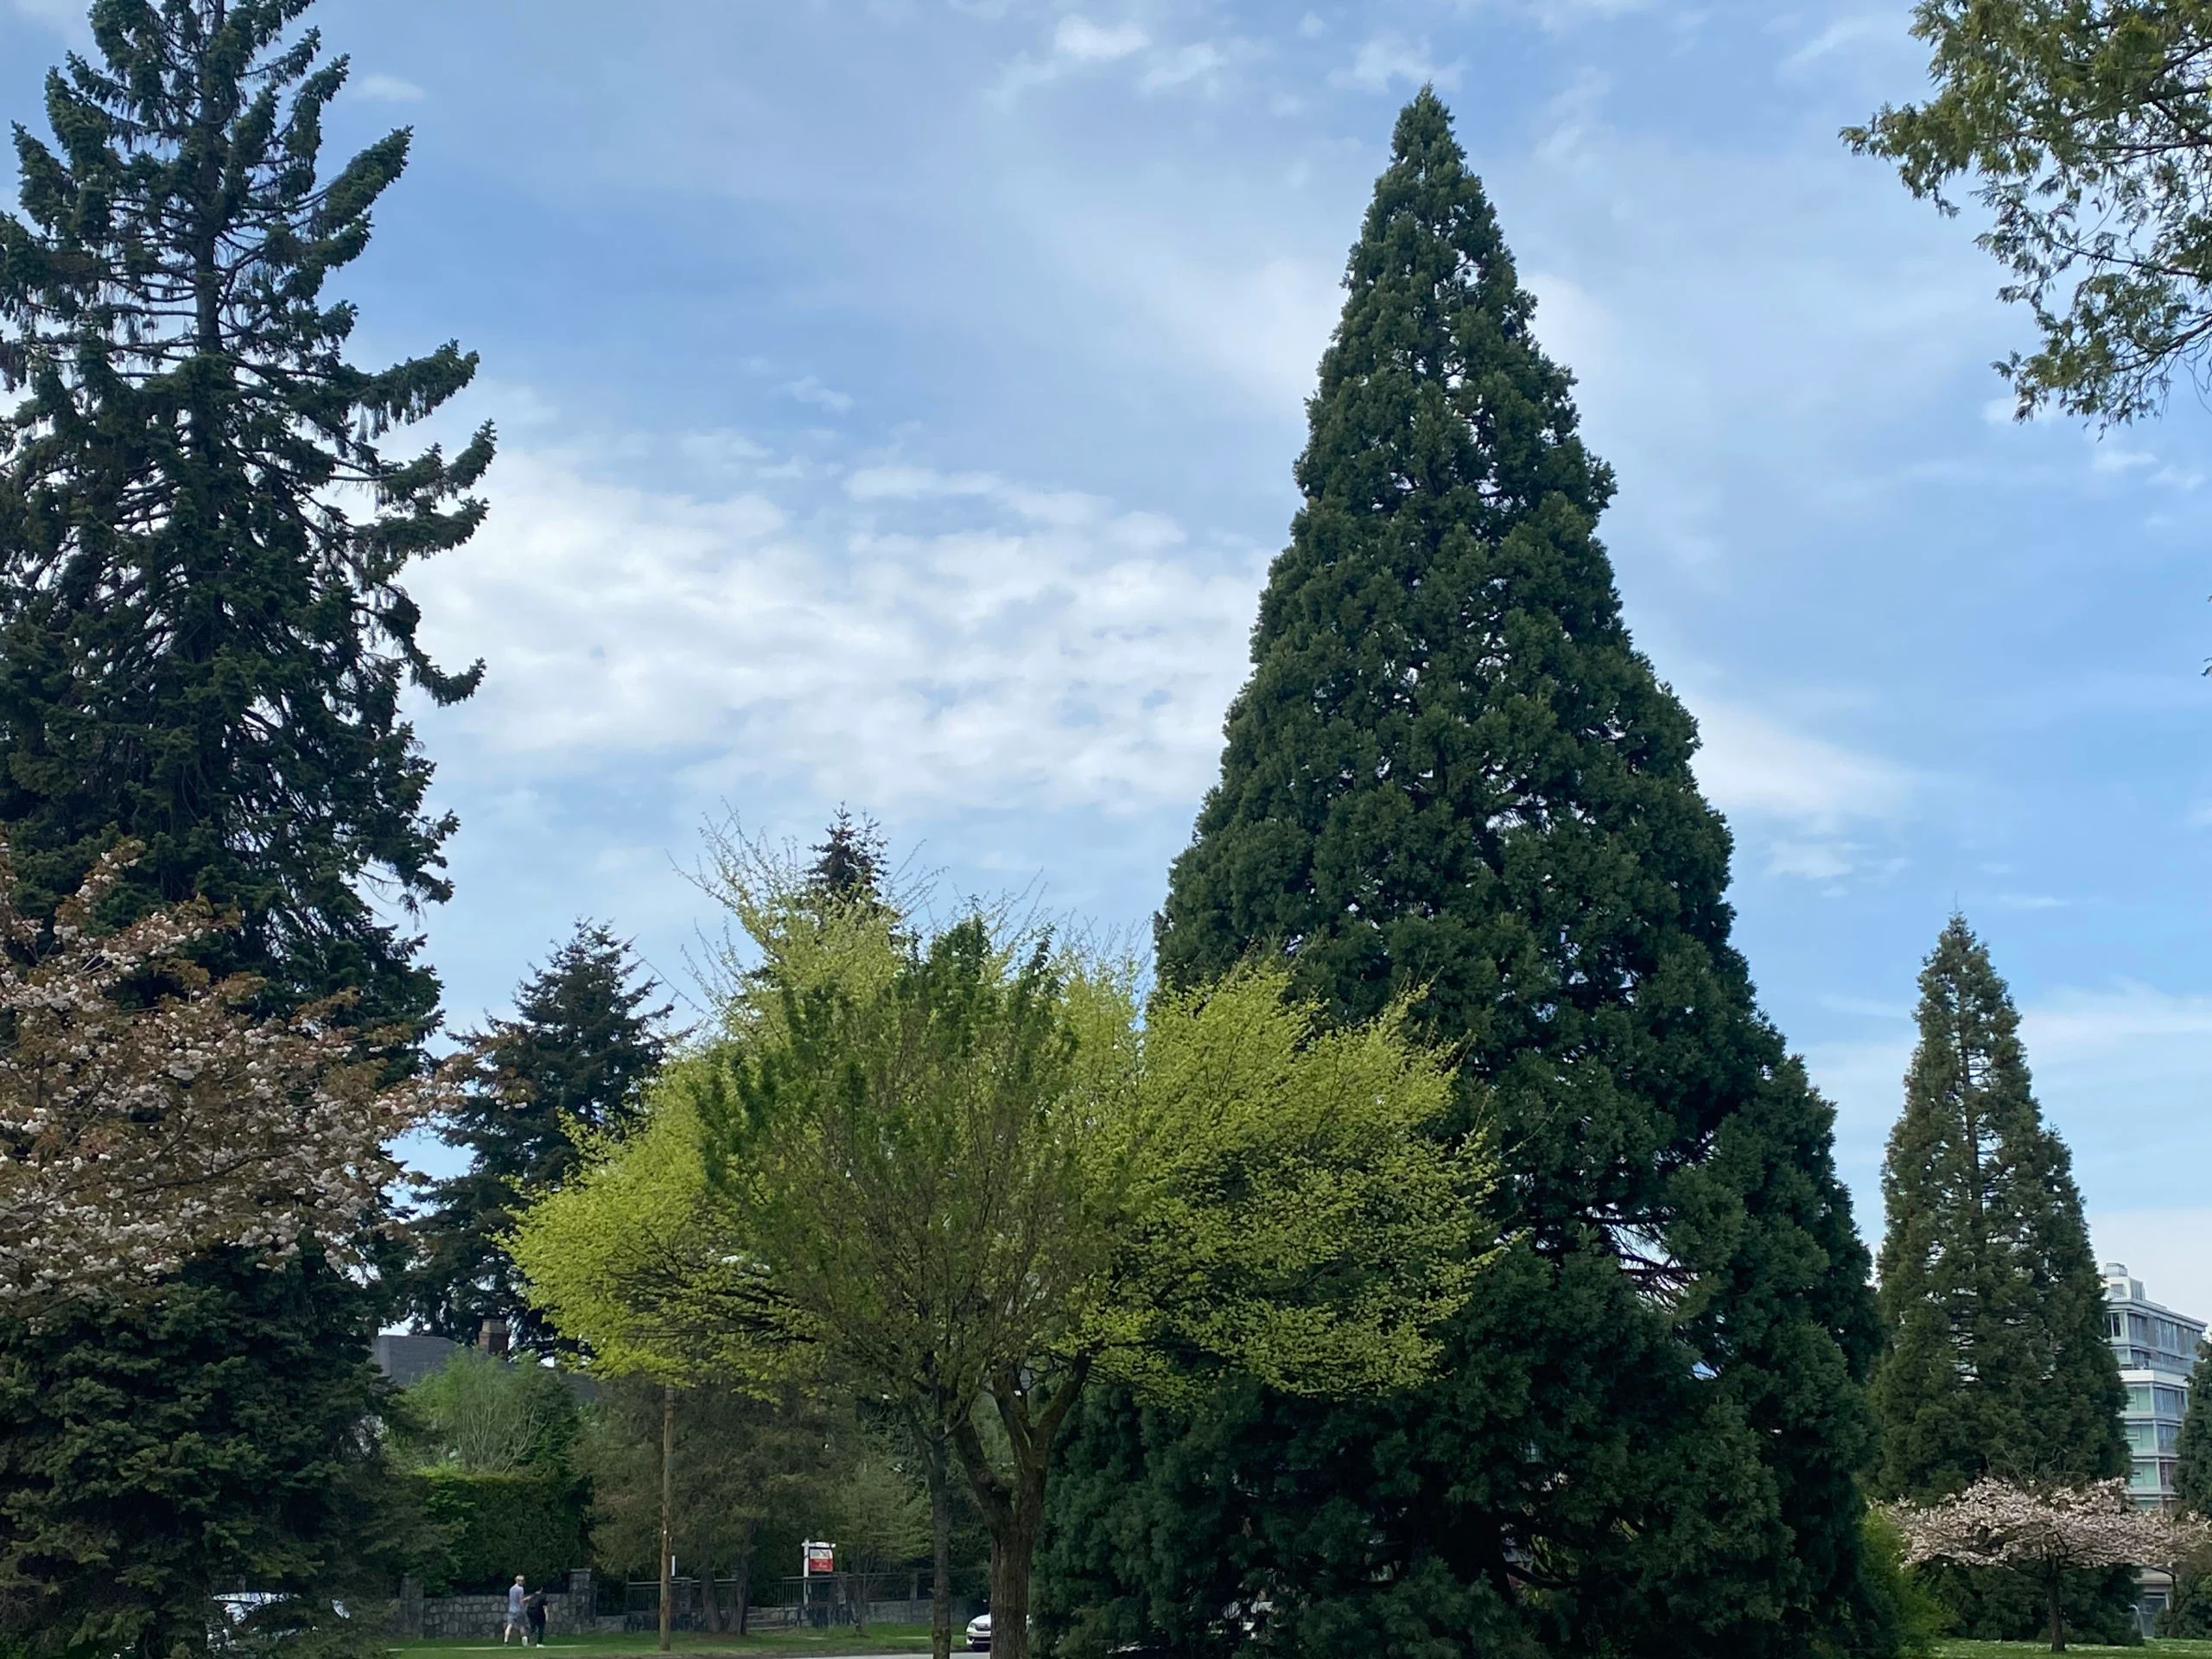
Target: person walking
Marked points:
516	1626
534	1610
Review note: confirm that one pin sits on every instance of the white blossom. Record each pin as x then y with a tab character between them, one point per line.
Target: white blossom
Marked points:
147	1114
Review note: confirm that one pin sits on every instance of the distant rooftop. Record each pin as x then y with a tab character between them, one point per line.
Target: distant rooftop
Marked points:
407	1358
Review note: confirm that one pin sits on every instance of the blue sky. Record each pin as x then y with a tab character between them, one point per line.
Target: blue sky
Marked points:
898	404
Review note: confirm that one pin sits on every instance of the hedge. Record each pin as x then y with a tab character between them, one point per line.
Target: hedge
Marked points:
496	1526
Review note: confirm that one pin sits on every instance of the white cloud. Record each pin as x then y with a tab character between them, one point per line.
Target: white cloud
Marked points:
1844	32
968	643
1205	301
1388	58
811	391
1751	764
388	89
1199	62
1080	41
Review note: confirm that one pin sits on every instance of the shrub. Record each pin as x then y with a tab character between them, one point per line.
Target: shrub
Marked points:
498	1525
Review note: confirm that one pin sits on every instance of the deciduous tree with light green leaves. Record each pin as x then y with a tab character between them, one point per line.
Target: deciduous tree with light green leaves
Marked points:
956	1165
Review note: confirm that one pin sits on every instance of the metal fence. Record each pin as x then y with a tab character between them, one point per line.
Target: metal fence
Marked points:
823	1601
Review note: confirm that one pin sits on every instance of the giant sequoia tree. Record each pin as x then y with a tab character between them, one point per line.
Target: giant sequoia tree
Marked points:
1997	1362
1451	777
204	641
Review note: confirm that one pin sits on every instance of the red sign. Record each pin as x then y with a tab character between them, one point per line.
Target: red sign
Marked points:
821	1558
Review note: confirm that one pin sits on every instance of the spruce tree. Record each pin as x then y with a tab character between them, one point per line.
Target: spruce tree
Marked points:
1451	777
1996	1361
573	1063
203	636
220	1441
850	861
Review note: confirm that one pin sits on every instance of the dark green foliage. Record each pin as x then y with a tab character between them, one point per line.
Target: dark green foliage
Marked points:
203	636
530	1522
224	1441
1918	1617
2191	1613
848	865
747	1470
571	1063
204	641
1451	775
2193	1449
1997	1362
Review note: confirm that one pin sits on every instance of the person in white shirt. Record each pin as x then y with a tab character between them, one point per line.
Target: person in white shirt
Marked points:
515	1625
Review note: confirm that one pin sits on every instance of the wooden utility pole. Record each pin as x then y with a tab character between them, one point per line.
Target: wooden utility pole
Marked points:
667	1514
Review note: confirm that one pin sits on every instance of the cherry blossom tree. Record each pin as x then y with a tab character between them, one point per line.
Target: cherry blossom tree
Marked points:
2046	1533
148	1114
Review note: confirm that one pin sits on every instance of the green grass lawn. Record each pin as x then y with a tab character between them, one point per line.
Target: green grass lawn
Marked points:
882	1638
2019	1650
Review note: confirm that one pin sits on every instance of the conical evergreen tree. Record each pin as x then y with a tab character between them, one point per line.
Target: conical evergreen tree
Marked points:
2189	1612
1452	776
2193	1450
572	1063
1996	1361
203	639
848	860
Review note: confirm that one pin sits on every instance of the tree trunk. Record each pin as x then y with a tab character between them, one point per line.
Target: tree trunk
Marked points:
745	1578
667	1514
2057	1619
856	1585
1013	1503
937	1469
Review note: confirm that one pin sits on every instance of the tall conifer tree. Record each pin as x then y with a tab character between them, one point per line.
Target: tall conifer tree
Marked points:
203	636
2193	1449
1451	777
1998	1362
573	1063
204	641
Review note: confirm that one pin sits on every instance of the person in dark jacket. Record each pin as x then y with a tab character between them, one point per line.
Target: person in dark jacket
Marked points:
535	1609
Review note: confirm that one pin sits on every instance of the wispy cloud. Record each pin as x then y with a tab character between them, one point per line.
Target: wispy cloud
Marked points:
1077	39
965	641
1079	44
810	391
388	89
1388	60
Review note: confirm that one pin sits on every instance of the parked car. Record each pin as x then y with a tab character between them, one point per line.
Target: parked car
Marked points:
979	1633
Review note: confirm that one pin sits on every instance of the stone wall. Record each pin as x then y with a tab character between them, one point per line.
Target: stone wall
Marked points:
569	1612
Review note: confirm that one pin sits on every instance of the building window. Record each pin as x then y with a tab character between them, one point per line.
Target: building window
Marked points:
2139	1396
2144	1476
2168	1434
2142	1437
2169	1402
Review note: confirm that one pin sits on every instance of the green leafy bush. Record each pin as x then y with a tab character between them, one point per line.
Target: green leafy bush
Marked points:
498	1525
